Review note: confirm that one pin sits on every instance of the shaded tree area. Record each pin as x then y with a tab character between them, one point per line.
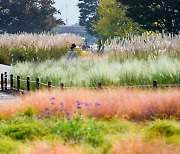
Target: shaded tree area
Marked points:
28	16
88	15
155	14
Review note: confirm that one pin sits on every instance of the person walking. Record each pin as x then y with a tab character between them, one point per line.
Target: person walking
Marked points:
72	54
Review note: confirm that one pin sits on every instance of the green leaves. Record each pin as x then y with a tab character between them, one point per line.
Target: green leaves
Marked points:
80	131
27	16
88	14
113	20
165	12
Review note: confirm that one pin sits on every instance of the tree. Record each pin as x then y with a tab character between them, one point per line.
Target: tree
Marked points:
113	21
27	16
155	14
88	14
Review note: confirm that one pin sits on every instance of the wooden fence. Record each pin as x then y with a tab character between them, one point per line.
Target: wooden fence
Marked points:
11	86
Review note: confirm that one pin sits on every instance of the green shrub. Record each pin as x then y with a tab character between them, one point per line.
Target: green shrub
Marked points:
168	129
24	131
8	146
30	112
80	131
31	54
5	56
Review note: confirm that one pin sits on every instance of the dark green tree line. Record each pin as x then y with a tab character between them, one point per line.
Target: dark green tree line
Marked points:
88	14
27	16
155	14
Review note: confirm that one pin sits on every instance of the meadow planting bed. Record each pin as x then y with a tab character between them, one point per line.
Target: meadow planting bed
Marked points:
92	121
87	73
82	119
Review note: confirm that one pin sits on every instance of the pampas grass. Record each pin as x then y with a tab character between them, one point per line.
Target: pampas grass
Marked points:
38	41
88	73
155	42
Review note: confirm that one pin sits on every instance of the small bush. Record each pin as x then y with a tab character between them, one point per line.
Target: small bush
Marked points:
24	131
30	112
170	130
80	131
8	146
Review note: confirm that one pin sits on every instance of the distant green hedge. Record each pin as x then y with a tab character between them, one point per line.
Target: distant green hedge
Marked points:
11	56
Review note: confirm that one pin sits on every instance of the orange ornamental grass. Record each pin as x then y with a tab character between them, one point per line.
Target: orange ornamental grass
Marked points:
140	147
122	103
57	148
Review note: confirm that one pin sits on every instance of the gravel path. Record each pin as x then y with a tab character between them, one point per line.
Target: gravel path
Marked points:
5	97
5	68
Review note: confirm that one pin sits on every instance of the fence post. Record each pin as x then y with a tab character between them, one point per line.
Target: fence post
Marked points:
62	86
99	85
155	84
18	84
37	83
28	83
11	81
49	85
5	81
2	82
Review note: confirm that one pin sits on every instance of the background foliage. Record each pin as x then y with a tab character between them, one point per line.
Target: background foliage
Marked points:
27	16
88	14
113	21
156	15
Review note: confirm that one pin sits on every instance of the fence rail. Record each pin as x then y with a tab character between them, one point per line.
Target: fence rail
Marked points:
5	78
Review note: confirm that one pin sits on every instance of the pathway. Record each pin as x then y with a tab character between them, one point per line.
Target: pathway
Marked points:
5	97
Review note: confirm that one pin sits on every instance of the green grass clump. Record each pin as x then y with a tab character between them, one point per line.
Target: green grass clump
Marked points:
21	54
8	146
88	73
80	131
167	129
24	129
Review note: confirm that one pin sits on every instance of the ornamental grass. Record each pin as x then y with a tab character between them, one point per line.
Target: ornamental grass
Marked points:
130	104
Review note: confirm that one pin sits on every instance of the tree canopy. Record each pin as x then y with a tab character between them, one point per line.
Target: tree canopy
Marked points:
27	16
155	14
113	21
88	14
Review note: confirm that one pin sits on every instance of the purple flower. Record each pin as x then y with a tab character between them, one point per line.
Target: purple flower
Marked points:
86	104
68	115
52	103
78	107
48	113
52	98
78	102
97	104
41	117
62	104
46	108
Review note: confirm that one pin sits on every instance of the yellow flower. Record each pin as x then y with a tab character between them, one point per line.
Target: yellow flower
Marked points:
84	52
